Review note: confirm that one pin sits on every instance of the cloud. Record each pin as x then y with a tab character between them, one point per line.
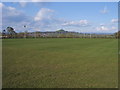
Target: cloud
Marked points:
44	13
105	10
13	17
114	28
102	28
114	20
43	20
22	4
11	14
106	28
46	20
76	23
39	0
1	5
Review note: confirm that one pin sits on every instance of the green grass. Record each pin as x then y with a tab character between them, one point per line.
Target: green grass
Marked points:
60	63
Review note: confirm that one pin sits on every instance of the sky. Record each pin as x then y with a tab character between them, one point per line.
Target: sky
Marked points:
83	17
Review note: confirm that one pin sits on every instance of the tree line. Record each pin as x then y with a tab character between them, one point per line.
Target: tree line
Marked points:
10	33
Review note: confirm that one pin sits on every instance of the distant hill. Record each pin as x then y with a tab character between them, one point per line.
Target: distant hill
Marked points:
61	30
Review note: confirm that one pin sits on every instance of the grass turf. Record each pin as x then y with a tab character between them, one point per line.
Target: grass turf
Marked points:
60	63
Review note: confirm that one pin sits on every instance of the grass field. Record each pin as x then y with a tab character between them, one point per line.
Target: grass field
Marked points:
60	63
